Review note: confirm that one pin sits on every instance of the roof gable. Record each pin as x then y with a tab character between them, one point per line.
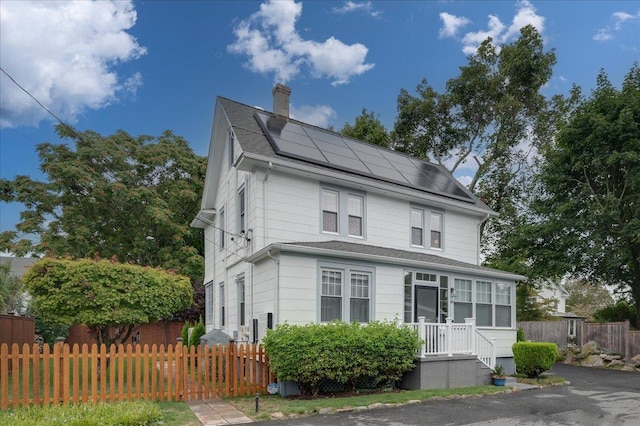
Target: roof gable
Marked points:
378	166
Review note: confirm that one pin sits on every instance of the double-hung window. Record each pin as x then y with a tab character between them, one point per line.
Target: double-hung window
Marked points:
222	304
503	305
221	228
208	309
241	300
343	212
484	314
345	293
231	139
426	222
241	210
462	300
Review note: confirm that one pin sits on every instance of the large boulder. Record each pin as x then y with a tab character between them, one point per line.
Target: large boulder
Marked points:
636	360
590	348
592	361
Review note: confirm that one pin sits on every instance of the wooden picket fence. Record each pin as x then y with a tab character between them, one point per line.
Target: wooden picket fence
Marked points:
66	375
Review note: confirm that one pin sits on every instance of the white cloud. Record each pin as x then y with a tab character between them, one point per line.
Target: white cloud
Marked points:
619	18
64	53
318	115
465	180
499	31
603	34
365	7
451	24
272	44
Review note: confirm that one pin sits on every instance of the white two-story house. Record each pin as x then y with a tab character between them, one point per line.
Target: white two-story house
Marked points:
305	225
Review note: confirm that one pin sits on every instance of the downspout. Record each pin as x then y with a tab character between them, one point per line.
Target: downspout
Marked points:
479	237
264	205
277	295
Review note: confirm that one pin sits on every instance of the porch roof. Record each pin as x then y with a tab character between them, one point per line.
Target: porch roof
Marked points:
382	255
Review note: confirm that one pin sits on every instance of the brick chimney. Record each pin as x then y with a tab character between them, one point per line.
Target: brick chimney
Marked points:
281	100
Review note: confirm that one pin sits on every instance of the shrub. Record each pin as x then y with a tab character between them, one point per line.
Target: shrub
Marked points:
135	413
197	332
185	333
340	352
520	336
532	358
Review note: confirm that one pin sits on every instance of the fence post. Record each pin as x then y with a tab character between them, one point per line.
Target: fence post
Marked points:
449	337
471	334
423	336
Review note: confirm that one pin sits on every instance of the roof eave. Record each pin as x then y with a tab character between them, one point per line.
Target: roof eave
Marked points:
283	247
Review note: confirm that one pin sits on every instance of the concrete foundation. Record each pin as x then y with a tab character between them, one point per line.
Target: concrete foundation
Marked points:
443	372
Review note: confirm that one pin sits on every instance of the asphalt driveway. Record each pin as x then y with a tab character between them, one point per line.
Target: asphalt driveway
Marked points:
595	397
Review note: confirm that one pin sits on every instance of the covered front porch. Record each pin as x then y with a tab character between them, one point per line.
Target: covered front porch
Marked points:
448	339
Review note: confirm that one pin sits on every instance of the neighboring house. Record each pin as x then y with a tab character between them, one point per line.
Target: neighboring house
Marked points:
305	225
18	267
555	295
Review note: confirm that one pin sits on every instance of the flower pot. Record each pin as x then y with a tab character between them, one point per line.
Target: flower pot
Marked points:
499	381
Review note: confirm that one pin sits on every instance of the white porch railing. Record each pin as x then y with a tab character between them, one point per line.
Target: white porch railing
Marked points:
453	338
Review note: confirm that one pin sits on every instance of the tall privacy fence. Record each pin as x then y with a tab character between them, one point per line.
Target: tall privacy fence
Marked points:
17	329
613	337
63	374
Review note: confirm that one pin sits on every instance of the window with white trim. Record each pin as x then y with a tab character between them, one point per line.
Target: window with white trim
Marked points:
345	293
503	305
462	300
231	138
424	219
222	305
221	228
241	300
241	210
343	212
208	298
484	314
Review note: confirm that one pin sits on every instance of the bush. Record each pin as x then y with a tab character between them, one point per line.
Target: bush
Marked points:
185	333
138	413
340	352
197	332
532	358
520	336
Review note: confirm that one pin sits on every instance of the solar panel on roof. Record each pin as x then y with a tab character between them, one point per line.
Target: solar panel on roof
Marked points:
330	149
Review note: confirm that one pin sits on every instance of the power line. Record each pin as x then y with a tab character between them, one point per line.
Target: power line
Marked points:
33	97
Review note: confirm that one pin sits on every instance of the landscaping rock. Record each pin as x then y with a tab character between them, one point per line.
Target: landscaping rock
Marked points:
376	405
636	360
592	361
325	410
277	415
589	348
616	363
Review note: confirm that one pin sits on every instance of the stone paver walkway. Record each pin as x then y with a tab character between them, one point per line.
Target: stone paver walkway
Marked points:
213	412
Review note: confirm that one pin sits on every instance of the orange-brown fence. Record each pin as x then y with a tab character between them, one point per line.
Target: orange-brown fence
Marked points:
100	374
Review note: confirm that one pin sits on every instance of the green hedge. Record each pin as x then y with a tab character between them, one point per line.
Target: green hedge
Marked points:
340	352
532	358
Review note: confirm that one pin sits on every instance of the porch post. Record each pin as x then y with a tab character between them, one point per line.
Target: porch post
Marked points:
472	334
422	335
449	337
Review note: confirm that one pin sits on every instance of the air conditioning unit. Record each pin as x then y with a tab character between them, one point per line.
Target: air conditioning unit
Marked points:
244	333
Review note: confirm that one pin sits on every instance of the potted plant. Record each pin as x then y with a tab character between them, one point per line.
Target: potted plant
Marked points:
498	376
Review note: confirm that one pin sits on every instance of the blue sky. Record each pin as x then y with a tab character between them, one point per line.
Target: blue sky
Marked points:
148	66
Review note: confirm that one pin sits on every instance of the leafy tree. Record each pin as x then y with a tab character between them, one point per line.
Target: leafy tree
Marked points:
492	115
110	298
618	312
585	298
528	307
116	195
10	290
586	213
368	128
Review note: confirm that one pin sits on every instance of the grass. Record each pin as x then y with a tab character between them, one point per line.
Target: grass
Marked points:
542	380
121	413
271	404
